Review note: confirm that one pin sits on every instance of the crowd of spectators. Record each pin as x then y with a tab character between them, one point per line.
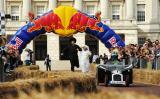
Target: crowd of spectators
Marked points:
145	55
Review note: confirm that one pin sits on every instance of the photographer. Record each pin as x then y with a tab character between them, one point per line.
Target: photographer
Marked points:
29	55
4	57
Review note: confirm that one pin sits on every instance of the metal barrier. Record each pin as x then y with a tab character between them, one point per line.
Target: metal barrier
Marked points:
157	63
145	64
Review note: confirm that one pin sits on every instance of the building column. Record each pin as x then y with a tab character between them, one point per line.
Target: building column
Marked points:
1	5
78	4
26	9
52	4
130	9
131	37
80	37
104	8
53	46
103	49
154	11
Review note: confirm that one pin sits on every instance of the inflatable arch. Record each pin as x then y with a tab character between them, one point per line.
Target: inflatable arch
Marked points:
64	21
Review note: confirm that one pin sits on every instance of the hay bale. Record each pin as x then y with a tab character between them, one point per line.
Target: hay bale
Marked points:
60	93
61	79
31	79
146	76
43	85
34	67
31	67
93	67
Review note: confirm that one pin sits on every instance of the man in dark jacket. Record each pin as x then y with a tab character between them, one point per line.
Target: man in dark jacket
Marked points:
48	63
72	50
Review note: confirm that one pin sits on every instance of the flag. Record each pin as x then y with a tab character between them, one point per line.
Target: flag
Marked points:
18	43
112	41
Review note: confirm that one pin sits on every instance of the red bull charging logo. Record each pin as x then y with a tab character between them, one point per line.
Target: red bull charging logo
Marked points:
49	22
66	24
80	22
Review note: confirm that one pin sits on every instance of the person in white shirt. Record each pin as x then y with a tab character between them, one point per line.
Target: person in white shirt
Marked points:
27	57
27	60
84	58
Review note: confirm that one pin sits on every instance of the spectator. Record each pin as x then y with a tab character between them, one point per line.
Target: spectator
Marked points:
91	57
100	59
132	54
105	58
157	42
95	58
27	60
6	63
123	56
4	57
13	62
145	56
29	57
47	62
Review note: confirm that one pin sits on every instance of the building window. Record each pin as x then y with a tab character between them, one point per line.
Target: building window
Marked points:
141	40
40	47
115	12
141	12
122	37
40	10
63	43
90	9
93	45
15	13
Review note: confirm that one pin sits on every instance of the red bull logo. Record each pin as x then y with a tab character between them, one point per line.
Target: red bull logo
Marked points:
65	24
80	22
49	22
112	40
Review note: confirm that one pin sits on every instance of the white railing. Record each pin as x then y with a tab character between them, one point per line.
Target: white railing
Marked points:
14	25
119	22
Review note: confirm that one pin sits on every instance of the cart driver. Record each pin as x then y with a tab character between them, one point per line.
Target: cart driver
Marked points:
114	55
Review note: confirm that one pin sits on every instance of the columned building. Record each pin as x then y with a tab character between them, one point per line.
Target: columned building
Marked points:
133	20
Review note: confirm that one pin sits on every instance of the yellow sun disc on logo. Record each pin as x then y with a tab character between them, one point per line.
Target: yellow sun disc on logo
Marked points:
65	13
